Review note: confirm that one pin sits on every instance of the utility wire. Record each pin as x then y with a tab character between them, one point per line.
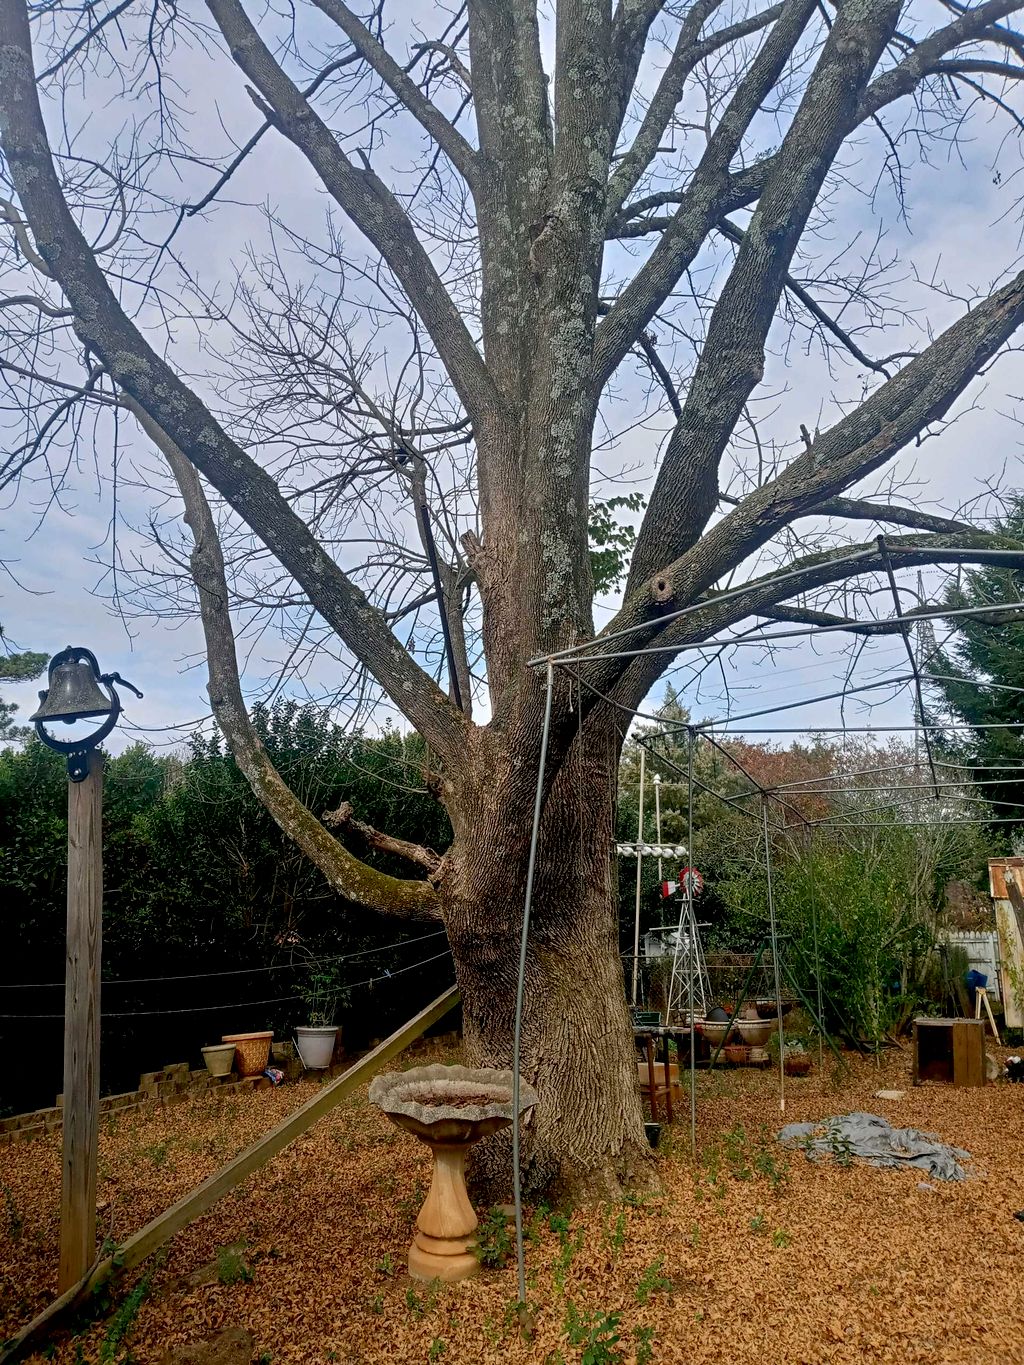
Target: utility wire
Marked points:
238	1004
232	971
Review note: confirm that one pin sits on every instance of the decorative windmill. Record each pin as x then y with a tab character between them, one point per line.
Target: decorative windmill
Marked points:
688	964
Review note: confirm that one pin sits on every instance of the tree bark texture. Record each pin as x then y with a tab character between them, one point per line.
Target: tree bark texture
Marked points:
586	1138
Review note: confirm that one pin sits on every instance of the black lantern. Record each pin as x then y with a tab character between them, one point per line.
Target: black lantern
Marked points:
74	694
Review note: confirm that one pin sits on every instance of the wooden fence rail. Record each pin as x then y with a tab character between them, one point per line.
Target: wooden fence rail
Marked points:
161	1229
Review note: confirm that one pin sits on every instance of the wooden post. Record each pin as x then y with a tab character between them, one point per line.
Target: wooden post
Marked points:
652	1079
82	1025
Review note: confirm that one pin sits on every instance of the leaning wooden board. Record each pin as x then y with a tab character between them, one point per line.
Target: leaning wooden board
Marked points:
162	1228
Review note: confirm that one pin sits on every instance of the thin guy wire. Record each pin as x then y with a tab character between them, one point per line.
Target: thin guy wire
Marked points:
517	1035
233	971
749	639
240	1004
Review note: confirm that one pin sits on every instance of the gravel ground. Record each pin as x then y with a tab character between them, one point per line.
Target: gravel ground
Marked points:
752	1255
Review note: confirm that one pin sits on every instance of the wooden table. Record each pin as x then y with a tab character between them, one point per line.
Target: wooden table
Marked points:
650	1035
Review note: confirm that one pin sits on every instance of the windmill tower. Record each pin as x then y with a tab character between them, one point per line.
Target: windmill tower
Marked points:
689	969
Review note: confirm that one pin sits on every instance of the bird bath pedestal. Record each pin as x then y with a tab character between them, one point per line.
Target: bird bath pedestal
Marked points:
449	1108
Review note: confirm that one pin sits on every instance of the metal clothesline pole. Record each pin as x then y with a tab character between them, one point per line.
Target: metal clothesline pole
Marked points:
866	729
639	873
689	898
775	954
524	938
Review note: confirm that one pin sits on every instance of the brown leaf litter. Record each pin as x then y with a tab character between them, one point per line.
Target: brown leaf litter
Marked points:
751	1255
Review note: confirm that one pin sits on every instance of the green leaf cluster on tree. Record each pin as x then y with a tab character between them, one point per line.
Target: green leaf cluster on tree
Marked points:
611	541
15	668
988	650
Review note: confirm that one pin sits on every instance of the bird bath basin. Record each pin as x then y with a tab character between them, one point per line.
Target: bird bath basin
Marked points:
449	1108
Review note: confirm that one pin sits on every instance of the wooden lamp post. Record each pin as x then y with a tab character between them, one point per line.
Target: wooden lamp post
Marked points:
75	694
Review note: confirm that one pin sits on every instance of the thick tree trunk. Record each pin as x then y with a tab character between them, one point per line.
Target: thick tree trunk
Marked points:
586	1139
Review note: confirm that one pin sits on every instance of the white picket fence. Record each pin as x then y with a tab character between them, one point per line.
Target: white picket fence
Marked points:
982	949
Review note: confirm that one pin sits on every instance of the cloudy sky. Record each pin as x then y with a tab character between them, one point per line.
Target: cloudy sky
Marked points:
960	231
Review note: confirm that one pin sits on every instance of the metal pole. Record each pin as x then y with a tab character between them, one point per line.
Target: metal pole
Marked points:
689	898
657	821
82	1026
775	954
817	955
517	1036
639	874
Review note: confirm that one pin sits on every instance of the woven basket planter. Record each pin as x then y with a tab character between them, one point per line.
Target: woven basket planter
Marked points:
252	1051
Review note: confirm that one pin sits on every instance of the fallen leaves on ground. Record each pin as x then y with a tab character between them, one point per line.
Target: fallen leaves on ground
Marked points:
751	1254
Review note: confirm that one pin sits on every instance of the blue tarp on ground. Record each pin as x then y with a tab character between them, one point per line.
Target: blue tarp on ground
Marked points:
872	1139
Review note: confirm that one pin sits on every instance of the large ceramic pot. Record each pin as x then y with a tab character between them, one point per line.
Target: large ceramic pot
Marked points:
252	1051
748	1032
315	1045
754	1032
449	1108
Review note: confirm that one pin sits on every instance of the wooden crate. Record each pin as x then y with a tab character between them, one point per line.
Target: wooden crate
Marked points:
949	1050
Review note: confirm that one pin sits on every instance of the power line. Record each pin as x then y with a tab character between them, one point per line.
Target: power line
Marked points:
232	971
239	1004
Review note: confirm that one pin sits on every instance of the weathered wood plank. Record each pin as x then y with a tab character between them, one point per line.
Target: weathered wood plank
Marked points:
82	1025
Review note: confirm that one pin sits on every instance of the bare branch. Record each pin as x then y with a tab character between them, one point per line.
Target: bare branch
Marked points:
731	363
702	205
858	510
132	363
689	50
345	818
40	305
448	138
350	877
367	201
10	215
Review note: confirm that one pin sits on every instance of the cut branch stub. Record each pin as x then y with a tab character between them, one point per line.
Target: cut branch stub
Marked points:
344	818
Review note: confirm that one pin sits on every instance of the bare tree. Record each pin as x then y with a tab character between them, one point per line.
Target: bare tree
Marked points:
561	209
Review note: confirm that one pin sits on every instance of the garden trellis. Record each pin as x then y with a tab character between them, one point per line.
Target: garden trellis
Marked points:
574	662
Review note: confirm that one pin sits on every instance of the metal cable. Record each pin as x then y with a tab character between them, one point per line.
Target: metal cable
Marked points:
240	1004
517	1035
232	971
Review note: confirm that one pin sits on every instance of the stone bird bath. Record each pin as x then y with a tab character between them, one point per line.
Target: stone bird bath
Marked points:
449	1108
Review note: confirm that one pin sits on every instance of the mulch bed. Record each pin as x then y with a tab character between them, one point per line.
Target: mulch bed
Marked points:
751	1255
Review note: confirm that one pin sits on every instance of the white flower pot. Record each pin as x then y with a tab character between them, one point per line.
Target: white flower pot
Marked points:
315	1046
